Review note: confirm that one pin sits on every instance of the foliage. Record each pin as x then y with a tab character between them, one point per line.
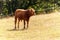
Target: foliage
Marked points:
9	6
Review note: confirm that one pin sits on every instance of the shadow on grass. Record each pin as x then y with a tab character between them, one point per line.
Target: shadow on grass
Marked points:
16	29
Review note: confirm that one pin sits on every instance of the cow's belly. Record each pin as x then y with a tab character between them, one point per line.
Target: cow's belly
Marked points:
22	18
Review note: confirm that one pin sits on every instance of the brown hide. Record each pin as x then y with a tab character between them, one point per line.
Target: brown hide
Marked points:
21	14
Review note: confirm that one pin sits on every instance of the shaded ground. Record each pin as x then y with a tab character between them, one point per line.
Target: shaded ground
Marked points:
41	27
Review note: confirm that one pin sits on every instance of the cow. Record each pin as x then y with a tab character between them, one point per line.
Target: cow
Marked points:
21	14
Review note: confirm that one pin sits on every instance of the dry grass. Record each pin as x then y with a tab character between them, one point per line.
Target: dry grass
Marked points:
41	27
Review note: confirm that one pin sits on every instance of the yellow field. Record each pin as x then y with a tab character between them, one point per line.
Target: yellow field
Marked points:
41	27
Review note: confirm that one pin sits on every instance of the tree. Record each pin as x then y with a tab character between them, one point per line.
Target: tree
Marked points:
1	3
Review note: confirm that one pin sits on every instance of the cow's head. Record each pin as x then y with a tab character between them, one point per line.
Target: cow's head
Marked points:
31	12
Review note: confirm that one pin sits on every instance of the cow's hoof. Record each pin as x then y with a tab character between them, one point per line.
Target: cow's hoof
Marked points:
23	29
14	29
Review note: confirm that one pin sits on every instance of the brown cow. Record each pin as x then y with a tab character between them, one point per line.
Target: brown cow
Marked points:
24	15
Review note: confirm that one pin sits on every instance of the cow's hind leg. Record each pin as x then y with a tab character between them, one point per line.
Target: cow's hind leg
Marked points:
15	22
24	24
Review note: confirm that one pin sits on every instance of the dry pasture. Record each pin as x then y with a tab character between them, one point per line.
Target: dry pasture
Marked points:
41	27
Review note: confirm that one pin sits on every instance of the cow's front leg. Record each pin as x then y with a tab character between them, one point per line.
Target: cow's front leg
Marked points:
27	23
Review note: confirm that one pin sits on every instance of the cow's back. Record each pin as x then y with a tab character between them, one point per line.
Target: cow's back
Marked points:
20	13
